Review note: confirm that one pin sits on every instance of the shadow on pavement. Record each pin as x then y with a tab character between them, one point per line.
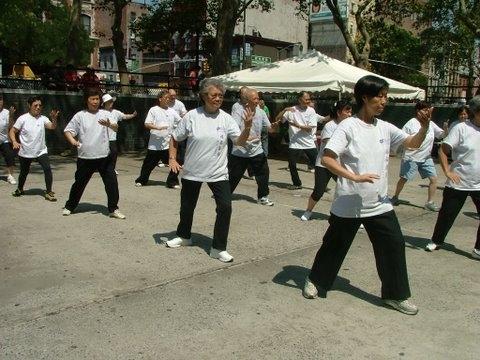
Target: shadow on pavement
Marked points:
420	243
247	198
294	276
472	215
91	208
315	215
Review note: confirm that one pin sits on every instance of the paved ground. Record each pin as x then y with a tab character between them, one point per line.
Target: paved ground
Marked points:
91	287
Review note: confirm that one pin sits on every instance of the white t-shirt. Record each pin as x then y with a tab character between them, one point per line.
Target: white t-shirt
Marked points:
464	139
115	116
160	139
424	151
206	134
93	136
301	139
4	119
363	148
326	134
253	146
237	109
32	135
179	108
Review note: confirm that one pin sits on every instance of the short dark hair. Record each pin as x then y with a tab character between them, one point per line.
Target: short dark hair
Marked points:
462	108
421	104
339	106
369	85
32	99
301	93
91	91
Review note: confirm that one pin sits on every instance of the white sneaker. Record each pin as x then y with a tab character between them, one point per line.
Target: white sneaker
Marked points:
178	241
116	172
312	170
306	215
431	246
66	212
117	215
310	291
138	185
431	206
160	164
362	227
223	256
476	254
11	180
265	201
404	306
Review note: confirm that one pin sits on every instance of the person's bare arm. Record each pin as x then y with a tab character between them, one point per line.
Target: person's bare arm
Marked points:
129	116
172	156
329	160
13	137
443	152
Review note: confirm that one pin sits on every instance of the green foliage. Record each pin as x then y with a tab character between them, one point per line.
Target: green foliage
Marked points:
36	31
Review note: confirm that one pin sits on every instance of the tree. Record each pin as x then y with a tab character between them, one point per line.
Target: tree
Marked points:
39	33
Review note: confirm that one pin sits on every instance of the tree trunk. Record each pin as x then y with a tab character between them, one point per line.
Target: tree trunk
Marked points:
228	15
117	40
73	56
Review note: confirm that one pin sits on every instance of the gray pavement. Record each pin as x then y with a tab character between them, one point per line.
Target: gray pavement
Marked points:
91	287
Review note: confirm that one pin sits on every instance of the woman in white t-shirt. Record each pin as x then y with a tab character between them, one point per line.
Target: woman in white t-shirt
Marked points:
88	132
6	149
30	128
340	111
160	120
463	175
358	153
207	129
115	117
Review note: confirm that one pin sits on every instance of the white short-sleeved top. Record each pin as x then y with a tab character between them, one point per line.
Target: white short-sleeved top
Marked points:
424	151
4	122
206	134
464	139
363	148
115	116
32	135
160	139
94	138
179	108
253	146
326	134
301	139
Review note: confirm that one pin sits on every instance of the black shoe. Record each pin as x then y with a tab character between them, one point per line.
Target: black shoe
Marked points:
18	193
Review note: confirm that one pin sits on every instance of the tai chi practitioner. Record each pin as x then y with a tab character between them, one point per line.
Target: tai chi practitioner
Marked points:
358	153
161	120
207	129
30	128
88	131
463	176
6	148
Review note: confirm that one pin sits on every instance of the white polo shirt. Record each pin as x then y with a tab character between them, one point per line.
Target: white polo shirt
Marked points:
301	139
206	134
160	139
424	151
464	139
32	135
4	119
253	146
363	148
93	136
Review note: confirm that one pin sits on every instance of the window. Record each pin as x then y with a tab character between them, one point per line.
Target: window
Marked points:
86	23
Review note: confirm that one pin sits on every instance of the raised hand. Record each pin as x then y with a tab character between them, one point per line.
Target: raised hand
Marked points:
424	116
248	118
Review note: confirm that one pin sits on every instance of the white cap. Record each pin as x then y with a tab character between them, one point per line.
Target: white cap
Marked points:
107	97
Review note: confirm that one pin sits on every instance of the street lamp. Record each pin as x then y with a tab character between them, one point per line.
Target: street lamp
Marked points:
279	50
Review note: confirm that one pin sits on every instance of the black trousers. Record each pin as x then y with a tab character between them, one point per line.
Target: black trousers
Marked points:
452	203
113	152
85	169
237	166
293	156
388	246
188	202
151	160
322	177
8	154
44	162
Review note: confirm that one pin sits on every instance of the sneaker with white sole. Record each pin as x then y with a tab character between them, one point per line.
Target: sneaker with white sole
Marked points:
306	215
310	291
66	212
138	184
404	306
178	241
362	227
11	180
160	164
116	172
176	186
265	201
476	254
50	196
431	246
117	215
221	255
431	206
